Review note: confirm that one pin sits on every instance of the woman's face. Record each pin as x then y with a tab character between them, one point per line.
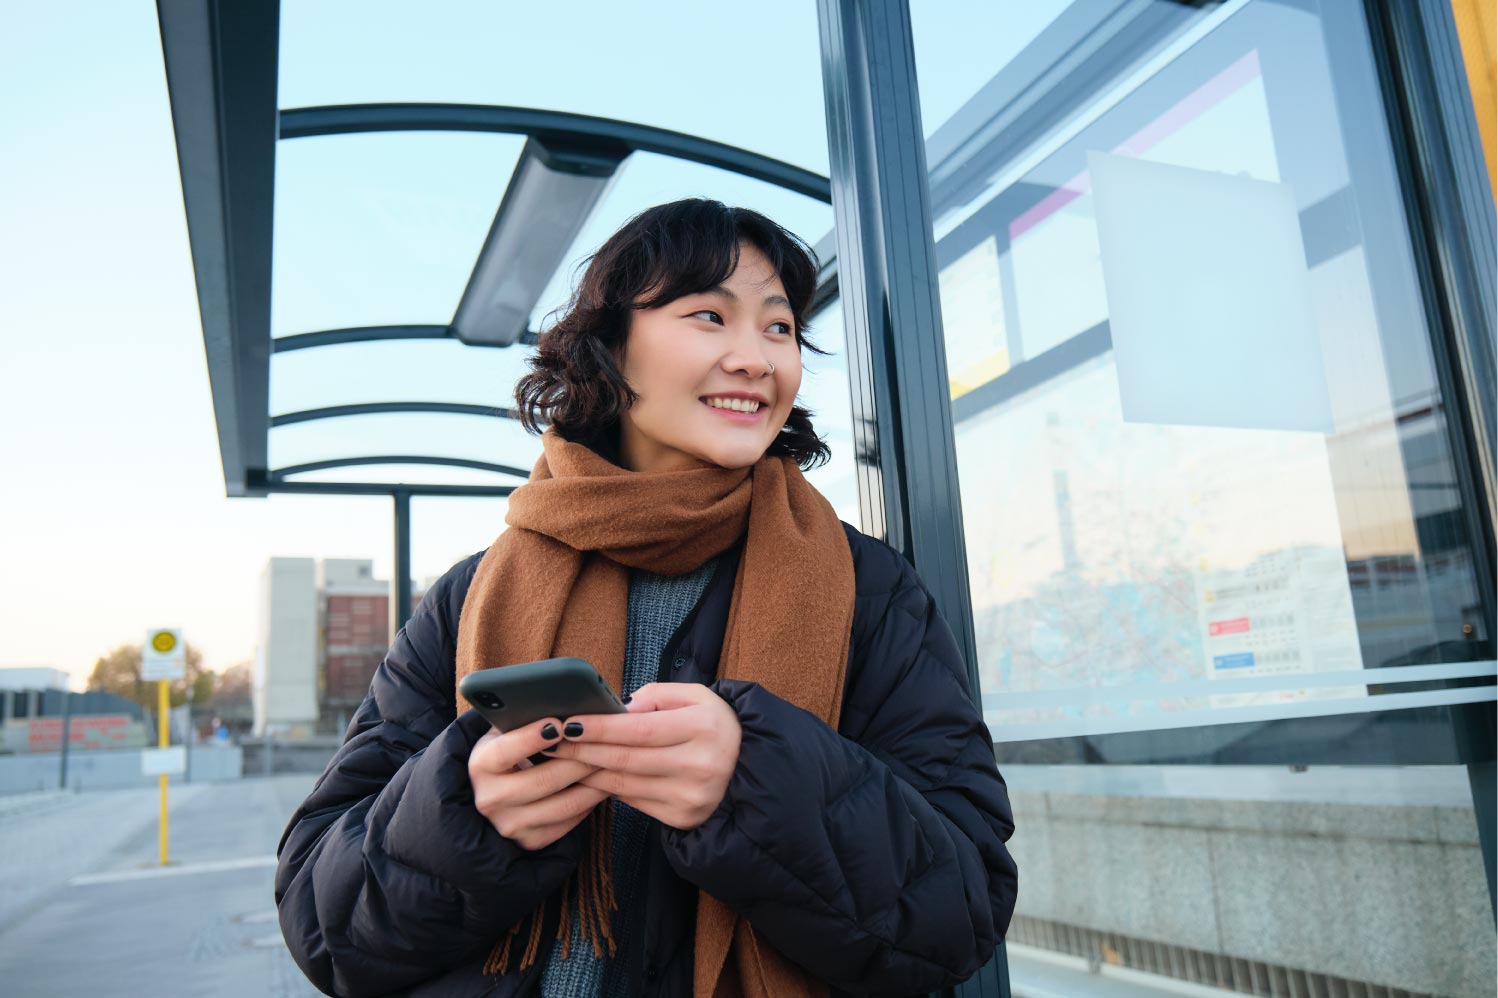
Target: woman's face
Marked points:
701	366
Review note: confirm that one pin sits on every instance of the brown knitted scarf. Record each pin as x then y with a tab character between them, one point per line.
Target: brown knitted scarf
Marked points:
557	583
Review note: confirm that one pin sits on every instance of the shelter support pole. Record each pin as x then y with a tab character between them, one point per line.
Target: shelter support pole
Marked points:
400	581
1438	148
887	276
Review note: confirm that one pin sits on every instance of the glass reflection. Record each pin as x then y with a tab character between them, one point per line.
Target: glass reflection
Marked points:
1232	649
1107	550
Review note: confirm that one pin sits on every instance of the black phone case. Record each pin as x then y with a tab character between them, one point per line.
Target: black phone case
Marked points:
516	695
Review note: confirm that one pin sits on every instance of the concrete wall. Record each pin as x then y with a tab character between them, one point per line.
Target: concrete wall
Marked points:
1392	894
289	755
285	683
119	768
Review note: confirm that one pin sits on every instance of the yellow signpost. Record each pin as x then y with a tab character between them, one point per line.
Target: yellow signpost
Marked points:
163	707
163	660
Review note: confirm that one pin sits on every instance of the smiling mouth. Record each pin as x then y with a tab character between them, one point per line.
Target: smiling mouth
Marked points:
742	411
746	406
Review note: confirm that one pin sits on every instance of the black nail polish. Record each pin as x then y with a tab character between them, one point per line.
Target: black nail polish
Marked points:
573	729
551	748
627	699
549	731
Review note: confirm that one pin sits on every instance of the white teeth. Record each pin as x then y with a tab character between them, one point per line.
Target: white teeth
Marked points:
738	405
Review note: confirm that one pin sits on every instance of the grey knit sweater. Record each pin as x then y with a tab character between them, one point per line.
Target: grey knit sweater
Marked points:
657	606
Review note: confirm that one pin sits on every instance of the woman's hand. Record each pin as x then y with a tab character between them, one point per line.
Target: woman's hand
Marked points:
671	756
531	805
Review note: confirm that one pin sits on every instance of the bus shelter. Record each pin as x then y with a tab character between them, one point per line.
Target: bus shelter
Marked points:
1202	489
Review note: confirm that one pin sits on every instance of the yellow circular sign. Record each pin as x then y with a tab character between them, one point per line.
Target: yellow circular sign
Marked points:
163	642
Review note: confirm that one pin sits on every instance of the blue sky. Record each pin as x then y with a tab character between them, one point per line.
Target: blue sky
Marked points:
114	513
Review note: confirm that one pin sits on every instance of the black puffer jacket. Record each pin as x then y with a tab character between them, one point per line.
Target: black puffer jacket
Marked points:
872	855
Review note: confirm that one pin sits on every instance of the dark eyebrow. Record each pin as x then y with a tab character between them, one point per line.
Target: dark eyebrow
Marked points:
720	291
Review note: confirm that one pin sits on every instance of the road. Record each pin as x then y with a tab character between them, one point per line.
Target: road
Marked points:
85	910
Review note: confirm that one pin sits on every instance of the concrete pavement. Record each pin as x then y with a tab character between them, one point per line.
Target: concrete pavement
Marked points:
86	911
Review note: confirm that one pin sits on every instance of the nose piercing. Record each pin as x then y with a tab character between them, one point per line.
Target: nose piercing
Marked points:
772	368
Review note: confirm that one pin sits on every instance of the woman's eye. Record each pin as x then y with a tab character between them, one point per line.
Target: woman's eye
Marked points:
783	328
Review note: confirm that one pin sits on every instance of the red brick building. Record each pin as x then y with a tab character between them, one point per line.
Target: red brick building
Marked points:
354	634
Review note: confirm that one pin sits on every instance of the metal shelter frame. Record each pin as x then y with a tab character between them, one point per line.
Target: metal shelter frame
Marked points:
222	61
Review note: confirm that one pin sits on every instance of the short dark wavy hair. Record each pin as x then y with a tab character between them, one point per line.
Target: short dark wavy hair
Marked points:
662	254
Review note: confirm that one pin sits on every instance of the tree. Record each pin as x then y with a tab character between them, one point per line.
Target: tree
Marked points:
232	704
119	672
233	686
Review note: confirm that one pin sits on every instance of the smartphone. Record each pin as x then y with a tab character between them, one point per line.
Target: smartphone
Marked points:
517	695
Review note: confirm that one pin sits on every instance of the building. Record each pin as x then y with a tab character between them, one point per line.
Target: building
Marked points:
354	634
324	628
39	677
34	701
284	689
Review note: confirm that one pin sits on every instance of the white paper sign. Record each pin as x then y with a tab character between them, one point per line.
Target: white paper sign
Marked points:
1209	298
170	761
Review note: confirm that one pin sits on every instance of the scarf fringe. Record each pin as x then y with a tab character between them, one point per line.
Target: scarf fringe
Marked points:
589	889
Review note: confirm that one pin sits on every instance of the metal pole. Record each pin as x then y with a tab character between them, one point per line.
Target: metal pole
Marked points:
887	276
187	738
400	581
163	737
1449	202
67	719
1482	776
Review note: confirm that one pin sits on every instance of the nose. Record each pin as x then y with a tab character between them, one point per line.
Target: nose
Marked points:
746	354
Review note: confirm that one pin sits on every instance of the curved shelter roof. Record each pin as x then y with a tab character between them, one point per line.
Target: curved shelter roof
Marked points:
372	274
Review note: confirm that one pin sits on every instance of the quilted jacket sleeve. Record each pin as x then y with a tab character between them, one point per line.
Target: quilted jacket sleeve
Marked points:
387	875
873	856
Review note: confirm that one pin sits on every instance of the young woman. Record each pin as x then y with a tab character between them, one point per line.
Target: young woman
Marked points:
802	798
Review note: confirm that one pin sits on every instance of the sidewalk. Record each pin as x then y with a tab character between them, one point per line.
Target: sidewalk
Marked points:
85	910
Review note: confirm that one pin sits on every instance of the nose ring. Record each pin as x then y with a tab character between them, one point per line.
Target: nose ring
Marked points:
772	367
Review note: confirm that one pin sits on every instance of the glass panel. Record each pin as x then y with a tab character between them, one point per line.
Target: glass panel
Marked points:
474	438
645	180
702	69
824	390
447	529
383	228
969	41
1129	485
1207	487
440	370
447	371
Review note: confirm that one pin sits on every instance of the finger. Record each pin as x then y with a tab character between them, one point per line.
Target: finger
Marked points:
540	838
653	728
570	804
504	751
628	787
540	782
667	696
643	760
